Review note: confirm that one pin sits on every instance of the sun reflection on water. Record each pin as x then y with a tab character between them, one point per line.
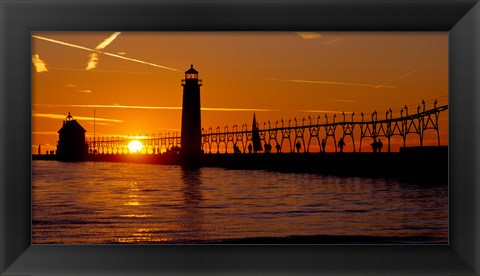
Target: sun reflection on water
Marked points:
138	203
133	196
136	216
144	235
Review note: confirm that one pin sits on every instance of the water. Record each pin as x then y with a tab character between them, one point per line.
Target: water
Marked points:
96	202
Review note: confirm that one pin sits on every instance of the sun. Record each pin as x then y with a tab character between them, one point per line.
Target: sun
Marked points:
135	146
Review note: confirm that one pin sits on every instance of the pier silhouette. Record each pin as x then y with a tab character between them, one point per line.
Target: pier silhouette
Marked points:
325	144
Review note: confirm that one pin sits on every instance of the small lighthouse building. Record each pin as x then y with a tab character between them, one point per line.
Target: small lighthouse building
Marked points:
71	141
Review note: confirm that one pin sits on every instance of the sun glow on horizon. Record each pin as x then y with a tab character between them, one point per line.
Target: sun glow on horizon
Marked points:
135	146
286	78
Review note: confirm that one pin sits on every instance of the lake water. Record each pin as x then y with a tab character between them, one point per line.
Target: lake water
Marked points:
101	202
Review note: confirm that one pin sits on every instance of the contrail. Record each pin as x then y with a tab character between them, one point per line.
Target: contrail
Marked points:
180	108
107	41
39	64
342	101
62	116
45	132
110	106
150	107
397	78
309	35
92	63
101	52
101	71
332	41
337	83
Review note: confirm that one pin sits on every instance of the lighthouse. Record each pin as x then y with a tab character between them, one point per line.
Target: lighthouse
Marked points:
191	135
71	141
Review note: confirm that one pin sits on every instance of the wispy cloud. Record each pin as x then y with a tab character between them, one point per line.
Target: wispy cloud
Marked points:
226	109
342	101
110	106
70	85
100	71
102	52
45	132
333	42
122	135
336	83
93	61
107	41
324	41
397	78
321	111
309	35
39	64
62	116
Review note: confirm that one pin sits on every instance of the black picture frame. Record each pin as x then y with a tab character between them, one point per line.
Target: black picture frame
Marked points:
18	18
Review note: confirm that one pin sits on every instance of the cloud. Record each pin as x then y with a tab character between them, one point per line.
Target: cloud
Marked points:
93	61
104	53
101	71
397	78
107	41
321	111
78	90
332	42
225	109
342	101
122	135
45	132
309	35
336	83
39	64
313	35
62	116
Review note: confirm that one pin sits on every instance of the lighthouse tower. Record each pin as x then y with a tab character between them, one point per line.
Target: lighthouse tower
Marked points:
191	135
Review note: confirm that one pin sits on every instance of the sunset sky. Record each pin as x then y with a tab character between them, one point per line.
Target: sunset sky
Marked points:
132	79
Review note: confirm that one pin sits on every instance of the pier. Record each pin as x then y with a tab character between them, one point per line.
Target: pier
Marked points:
324	144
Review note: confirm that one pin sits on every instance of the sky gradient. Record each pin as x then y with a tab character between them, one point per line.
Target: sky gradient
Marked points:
132	79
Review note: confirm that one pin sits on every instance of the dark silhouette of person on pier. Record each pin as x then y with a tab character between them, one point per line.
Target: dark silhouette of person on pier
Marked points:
375	145
323	145
236	149
250	148
297	146
379	145
341	144
267	147
278	147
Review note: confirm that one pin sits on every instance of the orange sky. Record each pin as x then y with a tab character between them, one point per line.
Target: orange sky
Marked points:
277	75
